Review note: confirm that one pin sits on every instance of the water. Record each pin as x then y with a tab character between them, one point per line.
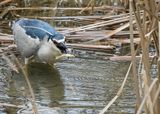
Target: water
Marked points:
74	86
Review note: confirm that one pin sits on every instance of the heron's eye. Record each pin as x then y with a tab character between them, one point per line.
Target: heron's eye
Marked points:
55	42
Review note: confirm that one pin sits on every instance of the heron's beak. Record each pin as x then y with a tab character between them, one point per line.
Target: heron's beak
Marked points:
62	46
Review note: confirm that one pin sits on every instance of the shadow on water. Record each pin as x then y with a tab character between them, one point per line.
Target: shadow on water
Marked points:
46	82
47	86
75	86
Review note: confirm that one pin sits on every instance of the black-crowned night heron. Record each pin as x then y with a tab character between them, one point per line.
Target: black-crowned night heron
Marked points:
36	38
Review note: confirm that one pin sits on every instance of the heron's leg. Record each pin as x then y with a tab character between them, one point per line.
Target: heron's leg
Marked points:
26	61
51	65
25	67
54	65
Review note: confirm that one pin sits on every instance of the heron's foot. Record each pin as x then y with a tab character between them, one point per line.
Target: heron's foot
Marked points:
50	65
26	61
64	56
29	60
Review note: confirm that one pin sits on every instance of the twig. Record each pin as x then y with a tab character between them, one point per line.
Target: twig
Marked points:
159	52
118	93
5	12
99	24
5	2
135	79
156	96
11	105
95	17
101	48
90	2
69	8
25	73
146	95
111	33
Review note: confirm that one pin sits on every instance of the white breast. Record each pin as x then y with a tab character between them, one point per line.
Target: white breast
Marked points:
48	52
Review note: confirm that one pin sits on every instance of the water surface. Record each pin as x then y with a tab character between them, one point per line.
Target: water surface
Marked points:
74	86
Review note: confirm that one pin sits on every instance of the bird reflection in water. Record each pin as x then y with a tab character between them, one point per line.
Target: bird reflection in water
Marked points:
46	83
47	86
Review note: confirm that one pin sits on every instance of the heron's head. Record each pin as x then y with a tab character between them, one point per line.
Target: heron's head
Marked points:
59	41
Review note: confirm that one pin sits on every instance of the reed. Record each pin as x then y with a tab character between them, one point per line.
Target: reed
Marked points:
96	32
14	64
146	89
148	34
118	93
135	78
5	2
25	73
68	8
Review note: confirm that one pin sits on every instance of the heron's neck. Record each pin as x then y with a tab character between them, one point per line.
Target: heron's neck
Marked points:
45	39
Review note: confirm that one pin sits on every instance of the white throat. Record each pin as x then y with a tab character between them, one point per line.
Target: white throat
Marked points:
48	52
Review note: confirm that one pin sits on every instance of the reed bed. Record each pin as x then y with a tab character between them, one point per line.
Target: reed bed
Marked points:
146	88
133	22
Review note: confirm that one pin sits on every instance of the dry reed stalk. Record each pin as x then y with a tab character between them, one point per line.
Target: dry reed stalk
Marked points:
158	66
11	105
99	24
153	93
145	52
149	103
146	96
155	100
145	31
33	100
125	58
152	16
154	10
150	13
135	78
158	62
89	3
90	46
140	77
118	93
72	17
111	33
83	19
5	2
55	11
145	35
69	8
5	12
145	57
25	73
122	41
152	22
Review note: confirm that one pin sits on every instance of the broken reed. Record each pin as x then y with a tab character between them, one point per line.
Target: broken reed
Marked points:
147	89
15	64
25	73
147	28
